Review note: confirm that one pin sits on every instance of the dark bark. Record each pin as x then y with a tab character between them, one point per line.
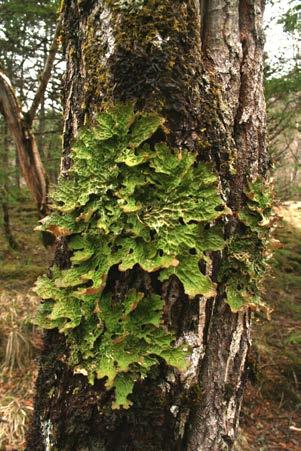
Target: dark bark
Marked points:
200	66
5	195
7	228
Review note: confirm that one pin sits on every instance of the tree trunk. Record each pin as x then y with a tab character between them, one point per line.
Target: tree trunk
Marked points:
6	226
199	65
20	127
4	191
29	157
17	171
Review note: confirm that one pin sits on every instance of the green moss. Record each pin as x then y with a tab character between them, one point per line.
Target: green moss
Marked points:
127	204
247	253
147	51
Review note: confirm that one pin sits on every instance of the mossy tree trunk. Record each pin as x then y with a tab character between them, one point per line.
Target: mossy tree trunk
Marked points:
199	65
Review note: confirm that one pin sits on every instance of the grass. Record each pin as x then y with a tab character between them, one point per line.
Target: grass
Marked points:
20	341
273	404
19	346
13	423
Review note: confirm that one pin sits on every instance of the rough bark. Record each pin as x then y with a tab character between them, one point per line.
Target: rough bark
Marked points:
199	64
232	51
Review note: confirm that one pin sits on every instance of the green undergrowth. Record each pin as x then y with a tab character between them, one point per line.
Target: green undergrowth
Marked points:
272	402
20	268
287	259
279	339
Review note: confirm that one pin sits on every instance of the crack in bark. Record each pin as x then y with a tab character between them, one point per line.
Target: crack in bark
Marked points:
197	411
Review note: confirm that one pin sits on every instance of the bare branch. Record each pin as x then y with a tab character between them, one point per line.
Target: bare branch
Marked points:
46	73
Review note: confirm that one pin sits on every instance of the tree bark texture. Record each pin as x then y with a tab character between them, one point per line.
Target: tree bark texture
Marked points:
198	64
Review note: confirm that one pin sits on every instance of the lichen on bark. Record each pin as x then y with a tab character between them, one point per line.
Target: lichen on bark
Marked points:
129	204
163	57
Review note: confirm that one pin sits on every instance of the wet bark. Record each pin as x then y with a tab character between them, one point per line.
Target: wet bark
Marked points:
199	64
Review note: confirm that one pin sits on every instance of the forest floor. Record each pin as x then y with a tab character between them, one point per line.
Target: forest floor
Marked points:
271	415
20	341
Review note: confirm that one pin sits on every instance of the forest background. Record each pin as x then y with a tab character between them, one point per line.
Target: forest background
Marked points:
28	35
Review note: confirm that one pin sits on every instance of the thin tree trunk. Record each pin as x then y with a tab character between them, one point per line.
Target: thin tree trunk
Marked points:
20	127
4	191
7	228
198	64
29	157
17	171
41	129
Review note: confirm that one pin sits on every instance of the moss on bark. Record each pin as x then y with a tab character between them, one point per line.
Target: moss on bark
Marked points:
151	52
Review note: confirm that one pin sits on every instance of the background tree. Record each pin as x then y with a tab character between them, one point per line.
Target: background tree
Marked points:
282	92
198	66
29	43
5	177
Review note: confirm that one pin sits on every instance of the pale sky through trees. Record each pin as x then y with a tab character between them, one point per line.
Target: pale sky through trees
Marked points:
279	43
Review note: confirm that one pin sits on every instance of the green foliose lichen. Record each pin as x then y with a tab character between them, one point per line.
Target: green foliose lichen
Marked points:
247	253
127	202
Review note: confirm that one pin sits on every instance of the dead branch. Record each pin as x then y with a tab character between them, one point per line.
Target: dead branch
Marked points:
46	73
